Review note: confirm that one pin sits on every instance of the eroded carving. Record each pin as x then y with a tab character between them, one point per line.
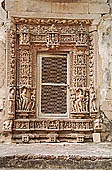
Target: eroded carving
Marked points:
52	137
7	125
11	99
97	124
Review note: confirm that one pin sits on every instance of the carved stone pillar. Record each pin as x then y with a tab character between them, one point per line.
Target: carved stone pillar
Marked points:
11	77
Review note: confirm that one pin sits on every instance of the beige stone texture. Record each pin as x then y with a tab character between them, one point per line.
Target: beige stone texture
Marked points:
55	15
16	5
70	8
39	6
98	8
107	105
105	63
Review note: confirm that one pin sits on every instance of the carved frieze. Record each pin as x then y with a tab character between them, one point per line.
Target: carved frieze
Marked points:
46	21
53	33
56	125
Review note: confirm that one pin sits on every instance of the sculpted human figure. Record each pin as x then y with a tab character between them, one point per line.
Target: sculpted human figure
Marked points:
73	98
24	99
92	100
24	38
11	98
86	101
31	105
79	101
18	102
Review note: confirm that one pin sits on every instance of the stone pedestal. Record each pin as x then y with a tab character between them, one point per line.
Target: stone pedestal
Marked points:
96	137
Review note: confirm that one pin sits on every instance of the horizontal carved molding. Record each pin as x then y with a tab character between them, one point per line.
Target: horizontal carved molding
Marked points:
53	125
47	21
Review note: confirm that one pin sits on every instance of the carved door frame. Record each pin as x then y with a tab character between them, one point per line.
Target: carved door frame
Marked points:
26	37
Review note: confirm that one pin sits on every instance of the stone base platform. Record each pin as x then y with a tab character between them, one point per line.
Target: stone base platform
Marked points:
56	156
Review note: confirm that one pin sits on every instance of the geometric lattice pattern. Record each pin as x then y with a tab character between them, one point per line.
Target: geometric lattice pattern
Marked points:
53	96
53	99
54	70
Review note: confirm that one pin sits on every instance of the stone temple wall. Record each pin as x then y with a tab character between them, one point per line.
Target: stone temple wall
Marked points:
98	10
2	66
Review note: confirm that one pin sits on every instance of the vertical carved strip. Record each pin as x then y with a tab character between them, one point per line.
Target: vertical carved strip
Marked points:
26	91
93	105
11	69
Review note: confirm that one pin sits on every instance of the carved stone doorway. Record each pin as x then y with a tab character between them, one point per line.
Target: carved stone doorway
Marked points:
51	81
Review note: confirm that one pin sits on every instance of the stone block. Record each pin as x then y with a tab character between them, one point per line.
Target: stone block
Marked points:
98	8
39	6
54	15
16	5
28	5
81	8
96	138
101	1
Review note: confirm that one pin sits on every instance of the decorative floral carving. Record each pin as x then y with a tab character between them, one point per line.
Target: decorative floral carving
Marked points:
47	21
